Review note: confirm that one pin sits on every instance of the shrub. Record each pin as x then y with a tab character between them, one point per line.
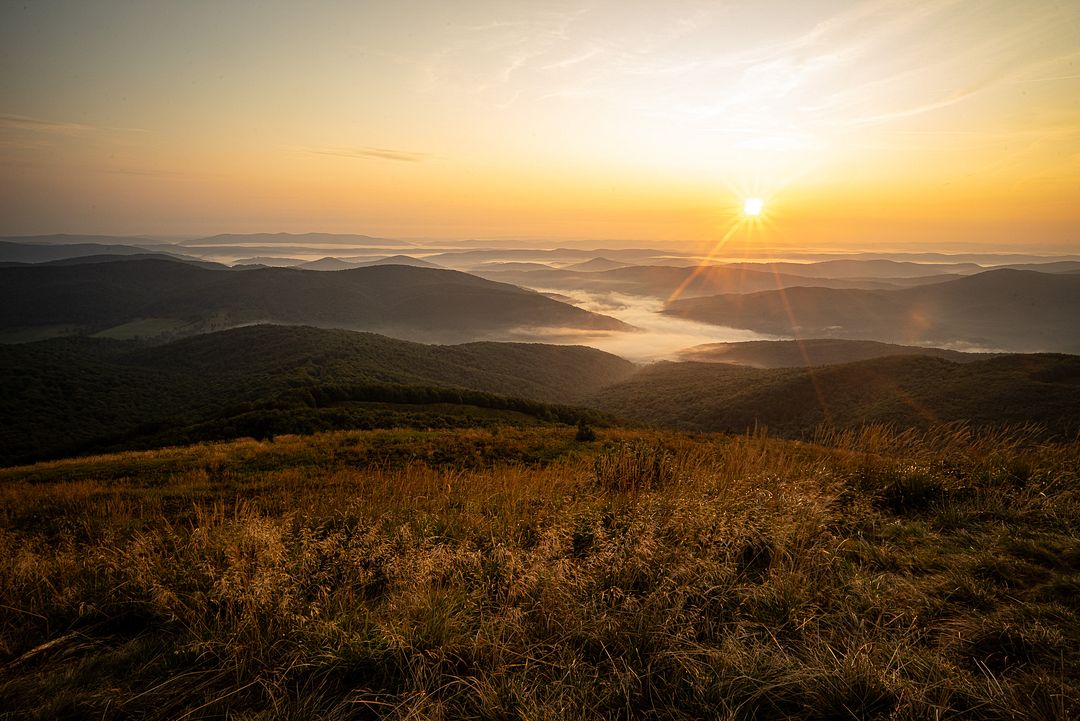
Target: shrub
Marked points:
585	433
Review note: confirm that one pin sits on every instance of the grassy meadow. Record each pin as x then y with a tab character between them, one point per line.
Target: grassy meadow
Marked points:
518	573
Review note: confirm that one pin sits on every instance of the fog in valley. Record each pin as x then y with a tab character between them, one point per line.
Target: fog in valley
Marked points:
659	337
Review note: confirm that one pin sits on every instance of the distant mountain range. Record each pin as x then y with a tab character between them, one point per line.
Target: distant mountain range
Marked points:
295	239
473	258
894	269
71	394
12	251
869	268
331	263
162	298
1014	310
812	352
657	281
596	265
908	391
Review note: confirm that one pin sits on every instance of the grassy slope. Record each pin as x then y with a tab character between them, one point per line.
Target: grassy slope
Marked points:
60	396
519	574
905	390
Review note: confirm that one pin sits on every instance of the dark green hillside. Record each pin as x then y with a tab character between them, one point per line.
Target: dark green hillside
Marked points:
1013	310
70	395
909	391
421	303
812	352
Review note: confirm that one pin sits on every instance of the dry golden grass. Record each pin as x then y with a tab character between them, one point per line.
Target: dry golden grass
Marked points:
517	573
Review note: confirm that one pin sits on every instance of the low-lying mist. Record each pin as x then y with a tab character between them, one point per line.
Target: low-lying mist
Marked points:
661	337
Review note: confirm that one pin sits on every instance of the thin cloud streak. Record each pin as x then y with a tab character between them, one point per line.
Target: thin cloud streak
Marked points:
369	153
13	121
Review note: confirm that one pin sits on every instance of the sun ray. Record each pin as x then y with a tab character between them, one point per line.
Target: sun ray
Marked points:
707	260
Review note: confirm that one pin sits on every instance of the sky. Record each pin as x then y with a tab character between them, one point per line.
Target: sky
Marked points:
879	124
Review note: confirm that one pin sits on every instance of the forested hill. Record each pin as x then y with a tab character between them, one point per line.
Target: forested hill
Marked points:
159	297
908	391
75	394
1009	310
812	352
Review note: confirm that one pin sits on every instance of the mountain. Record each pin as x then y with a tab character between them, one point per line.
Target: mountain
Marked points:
1015	310
1060	266
79	239
42	252
859	268
421	303
396	260
90	259
294	239
656	281
269	261
510	265
470	259
596	264
811	352
331	263
908	391
327	263
67	394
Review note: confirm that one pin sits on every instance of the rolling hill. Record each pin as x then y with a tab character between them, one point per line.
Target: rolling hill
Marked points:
44	249
596	265
657	281
74	394
269	261
332	263
1013	310
862	268
811	352
118	258
182	299
294	239
908	391
395	260
327	263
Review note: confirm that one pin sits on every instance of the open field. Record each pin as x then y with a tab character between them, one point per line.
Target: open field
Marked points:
519	573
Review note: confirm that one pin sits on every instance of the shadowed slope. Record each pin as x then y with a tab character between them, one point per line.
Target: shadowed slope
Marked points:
905	390
65	395
400	300
811	352
1000	309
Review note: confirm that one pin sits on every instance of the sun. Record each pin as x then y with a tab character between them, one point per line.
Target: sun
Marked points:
752	207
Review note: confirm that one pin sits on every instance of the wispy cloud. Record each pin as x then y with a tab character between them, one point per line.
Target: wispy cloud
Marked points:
368	153
11	121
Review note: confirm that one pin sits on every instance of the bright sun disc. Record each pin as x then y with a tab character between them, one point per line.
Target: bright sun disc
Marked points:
753	207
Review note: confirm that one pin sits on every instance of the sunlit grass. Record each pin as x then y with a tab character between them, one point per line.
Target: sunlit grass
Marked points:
518	573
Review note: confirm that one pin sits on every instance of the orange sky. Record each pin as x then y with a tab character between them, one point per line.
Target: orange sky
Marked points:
887	123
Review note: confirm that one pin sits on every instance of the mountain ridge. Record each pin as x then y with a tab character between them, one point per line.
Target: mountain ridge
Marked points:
422	303
1003	309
